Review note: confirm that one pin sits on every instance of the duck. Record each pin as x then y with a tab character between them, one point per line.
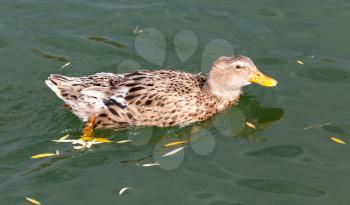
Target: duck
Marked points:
161	98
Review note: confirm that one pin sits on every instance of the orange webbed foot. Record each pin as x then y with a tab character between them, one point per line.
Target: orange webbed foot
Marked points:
88	132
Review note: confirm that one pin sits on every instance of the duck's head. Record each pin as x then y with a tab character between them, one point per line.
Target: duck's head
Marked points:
229	74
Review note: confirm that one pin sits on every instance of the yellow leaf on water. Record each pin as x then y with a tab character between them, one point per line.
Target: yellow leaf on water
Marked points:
300	62
43	155
337	140
251	125
86	139
63	138
97	139
172	152
33	201
101	139
150	164
175	143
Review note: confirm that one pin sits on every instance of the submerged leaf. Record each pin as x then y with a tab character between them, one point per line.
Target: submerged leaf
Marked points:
43	155
319	125
175	143
106	41
51	57
337	140
33	201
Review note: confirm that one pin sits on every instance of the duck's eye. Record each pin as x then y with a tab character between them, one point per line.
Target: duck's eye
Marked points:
238	67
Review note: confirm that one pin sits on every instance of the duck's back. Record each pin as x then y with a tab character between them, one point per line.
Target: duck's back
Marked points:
144	98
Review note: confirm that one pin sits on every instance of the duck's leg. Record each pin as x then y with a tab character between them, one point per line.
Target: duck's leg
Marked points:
88	131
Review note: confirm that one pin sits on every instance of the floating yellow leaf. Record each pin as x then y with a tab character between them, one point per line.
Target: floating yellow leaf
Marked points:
251	125
337	140
175	143
43	155
63	138
300	62
86	139
123	190
97	139
102	140
33	201
123	141
172	152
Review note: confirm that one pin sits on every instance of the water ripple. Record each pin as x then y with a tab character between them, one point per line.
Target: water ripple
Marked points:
89	161
250	25
209	170
277	151
3	42
269	13
325	74
281	187
223	202
54	177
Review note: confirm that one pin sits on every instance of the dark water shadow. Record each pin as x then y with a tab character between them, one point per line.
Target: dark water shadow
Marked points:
50	56
281	187
106	41
266	185
285	151
251	110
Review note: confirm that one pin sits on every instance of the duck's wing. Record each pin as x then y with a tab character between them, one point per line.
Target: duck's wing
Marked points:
160	97
68	88
75	91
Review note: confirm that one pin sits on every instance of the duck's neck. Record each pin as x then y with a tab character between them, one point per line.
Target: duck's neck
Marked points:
227	97
217	86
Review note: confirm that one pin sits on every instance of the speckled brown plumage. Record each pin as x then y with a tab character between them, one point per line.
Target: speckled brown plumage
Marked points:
151	97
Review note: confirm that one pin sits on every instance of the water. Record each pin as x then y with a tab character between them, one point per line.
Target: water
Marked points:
278	163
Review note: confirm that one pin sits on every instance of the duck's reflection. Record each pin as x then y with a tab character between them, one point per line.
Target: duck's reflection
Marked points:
233	122
201	137
170	145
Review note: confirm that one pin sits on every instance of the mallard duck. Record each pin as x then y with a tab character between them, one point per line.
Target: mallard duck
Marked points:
160	98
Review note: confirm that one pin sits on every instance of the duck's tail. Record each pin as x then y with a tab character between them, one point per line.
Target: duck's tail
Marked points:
66	88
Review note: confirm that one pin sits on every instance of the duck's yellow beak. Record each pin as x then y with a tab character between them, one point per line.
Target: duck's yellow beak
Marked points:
261	79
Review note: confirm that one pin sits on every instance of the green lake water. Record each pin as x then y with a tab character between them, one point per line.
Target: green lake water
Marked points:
288	159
